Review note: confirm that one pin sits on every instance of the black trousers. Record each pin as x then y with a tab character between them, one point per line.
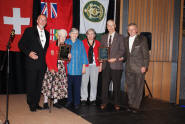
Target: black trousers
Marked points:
107	75
135	86
34	79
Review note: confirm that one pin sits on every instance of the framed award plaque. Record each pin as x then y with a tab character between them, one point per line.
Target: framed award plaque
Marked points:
104	53
64	50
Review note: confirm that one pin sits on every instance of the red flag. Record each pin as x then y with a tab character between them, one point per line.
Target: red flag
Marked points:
59	15
14	14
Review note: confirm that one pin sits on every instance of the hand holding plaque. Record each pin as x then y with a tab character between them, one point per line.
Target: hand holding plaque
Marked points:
104	53
64	50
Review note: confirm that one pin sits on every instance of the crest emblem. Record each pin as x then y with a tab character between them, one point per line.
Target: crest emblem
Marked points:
94	11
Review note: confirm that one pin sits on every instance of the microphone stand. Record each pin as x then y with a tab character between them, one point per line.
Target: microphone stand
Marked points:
7	83
8	72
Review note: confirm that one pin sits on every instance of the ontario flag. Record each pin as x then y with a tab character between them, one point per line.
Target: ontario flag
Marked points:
14	15
59	15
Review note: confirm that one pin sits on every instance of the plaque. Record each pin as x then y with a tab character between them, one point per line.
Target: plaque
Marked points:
64	50
104	53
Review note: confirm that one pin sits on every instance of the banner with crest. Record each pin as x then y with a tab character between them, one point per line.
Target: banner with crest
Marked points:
93	14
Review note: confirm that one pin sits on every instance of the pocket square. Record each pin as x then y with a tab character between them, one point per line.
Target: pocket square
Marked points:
137	46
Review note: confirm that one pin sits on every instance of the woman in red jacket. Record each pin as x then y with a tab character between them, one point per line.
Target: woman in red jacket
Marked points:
55	79
92	69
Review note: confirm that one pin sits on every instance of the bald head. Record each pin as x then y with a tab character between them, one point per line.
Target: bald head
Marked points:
111	26
41	21
132	29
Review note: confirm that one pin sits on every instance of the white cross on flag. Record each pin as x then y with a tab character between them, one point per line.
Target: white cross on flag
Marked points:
14	14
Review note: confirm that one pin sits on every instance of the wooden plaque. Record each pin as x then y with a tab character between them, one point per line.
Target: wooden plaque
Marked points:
64	50
104	53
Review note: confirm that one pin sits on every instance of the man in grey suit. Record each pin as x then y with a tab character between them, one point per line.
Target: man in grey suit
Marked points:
137	61
112	69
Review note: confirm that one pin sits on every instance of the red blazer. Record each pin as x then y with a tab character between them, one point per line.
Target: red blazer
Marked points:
95	50
51	60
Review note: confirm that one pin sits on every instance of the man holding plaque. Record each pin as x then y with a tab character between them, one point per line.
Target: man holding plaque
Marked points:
113	67
137	61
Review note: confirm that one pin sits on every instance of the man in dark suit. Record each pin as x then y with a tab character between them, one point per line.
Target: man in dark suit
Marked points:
34	44
137	61
112	69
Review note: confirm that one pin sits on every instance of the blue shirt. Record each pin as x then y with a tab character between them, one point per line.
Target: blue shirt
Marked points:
78	57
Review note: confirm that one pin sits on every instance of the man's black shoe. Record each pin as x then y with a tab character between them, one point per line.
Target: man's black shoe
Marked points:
128	109
39	107
132	110
32	108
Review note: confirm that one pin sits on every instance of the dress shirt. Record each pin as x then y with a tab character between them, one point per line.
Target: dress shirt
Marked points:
42	36
131	42
112	37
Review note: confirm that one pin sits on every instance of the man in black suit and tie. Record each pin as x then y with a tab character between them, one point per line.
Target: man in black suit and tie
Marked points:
34	44
112	69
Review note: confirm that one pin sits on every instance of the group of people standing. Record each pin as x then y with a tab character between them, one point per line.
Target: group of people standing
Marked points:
57	79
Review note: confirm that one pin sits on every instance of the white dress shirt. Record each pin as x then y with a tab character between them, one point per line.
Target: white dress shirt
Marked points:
112	37
42	36
131	42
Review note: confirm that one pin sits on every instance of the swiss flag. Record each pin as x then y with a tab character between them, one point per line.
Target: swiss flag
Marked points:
14	14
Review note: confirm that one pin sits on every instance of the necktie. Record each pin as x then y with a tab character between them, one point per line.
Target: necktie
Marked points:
110	39
41	36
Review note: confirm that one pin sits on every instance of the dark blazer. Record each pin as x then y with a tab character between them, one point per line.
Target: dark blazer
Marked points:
117	50
139	56
30	41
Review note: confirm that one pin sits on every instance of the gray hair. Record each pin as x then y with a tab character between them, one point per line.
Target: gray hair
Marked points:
62	31
91	29
73	30
132	24
111	20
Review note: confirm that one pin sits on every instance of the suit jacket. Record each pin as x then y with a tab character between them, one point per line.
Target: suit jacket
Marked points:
117	50
30	41
139	55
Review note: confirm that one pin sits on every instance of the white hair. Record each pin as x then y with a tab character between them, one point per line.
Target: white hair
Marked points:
62	31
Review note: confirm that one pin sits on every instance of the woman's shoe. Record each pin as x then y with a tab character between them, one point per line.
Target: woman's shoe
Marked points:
68	104
45	106
57	105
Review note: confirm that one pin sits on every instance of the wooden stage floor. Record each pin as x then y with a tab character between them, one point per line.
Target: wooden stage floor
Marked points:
19	113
